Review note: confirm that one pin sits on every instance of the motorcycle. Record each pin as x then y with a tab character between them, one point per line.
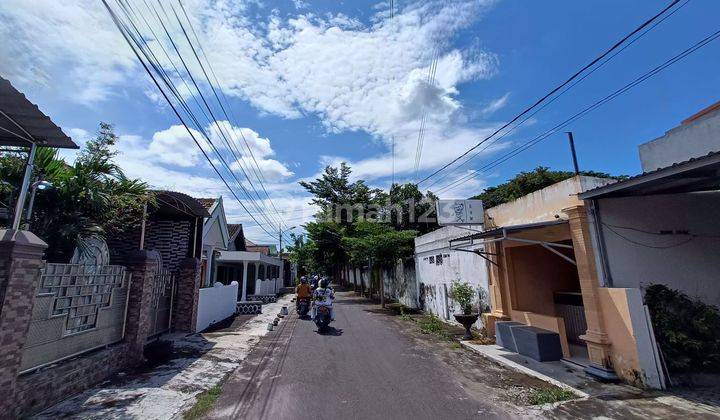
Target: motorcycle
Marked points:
322	318
303	307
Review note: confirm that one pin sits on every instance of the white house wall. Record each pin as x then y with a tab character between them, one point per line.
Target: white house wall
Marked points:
435	279
690	263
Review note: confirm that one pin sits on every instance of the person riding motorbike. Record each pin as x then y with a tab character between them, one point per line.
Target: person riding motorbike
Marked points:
324	295
314	282
303	290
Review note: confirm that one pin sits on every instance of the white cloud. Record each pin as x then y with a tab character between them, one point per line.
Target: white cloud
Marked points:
70	46
352	76
496	104
175	146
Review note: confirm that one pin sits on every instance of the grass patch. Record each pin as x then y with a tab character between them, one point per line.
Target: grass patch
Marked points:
445	335
405	317
430	325
550	395
204	403
456	345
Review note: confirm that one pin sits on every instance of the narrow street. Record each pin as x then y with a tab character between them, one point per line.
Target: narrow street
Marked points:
364	368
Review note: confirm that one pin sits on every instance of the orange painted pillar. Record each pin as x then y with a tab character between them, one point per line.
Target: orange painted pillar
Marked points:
596	337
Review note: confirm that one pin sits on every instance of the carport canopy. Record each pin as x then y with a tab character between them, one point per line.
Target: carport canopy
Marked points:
22	123
470	242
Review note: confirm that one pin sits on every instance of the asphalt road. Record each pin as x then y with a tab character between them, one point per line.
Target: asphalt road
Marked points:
362	369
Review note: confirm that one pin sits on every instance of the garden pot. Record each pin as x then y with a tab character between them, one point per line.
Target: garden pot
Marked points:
467	321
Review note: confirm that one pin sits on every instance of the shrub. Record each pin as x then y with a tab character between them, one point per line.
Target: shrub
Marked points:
687	330
463	293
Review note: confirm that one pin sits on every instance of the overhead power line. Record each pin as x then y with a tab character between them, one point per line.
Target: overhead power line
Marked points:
549	102
558	127
160	77
557	88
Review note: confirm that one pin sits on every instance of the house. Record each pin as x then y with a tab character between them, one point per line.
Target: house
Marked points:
660	226
265	249
237	238
542	273
438	266
215	236
174	228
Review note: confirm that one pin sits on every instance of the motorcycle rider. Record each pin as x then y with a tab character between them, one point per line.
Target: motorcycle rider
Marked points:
314	282
302	290
324	295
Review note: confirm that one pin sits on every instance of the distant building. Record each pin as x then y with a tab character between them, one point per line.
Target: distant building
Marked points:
265	249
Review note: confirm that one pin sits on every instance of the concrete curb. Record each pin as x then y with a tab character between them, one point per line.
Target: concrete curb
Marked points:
526	371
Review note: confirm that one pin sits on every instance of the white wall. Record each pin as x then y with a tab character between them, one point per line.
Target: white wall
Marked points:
400	283
216	304
695	139
267	286
435	280
688	263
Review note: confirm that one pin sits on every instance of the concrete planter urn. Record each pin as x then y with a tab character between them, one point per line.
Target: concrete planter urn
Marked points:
467	321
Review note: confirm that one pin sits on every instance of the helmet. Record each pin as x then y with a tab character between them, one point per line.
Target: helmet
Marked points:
303	279
324	283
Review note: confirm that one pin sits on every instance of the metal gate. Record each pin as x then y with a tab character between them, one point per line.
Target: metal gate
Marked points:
163	291
569	306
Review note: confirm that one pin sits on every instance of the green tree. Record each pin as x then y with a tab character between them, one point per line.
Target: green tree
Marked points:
411	209
378	242
527	182
302	253
93	197
340	199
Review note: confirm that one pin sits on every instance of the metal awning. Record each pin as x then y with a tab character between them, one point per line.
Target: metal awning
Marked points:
22	122
694	175
503	234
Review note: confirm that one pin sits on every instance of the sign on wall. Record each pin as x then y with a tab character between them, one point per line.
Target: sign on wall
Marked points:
459	212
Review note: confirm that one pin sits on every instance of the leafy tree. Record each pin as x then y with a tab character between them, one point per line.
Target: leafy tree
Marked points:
339	198
328	254
527	182
411	209
378	242
93	197
302	253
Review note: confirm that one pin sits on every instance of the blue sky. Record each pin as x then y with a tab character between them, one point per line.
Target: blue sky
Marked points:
319	82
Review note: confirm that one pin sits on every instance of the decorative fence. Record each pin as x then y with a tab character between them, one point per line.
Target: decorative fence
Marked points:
163	290
78	308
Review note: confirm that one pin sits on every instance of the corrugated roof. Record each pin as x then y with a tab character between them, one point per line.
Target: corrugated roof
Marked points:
674	172
181	203
31	120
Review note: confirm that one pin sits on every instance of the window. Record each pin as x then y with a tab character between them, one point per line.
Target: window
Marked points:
432	260
438	259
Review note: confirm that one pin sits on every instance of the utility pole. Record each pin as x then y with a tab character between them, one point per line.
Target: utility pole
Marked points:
572	150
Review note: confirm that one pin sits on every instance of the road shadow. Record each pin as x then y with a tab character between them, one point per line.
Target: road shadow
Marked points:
332	332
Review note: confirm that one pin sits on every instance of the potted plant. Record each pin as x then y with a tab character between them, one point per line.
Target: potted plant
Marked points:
463	294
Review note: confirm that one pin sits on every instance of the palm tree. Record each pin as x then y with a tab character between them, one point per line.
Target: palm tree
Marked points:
93	197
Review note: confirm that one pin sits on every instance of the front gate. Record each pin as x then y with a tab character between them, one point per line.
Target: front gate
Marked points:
569	307
163	291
